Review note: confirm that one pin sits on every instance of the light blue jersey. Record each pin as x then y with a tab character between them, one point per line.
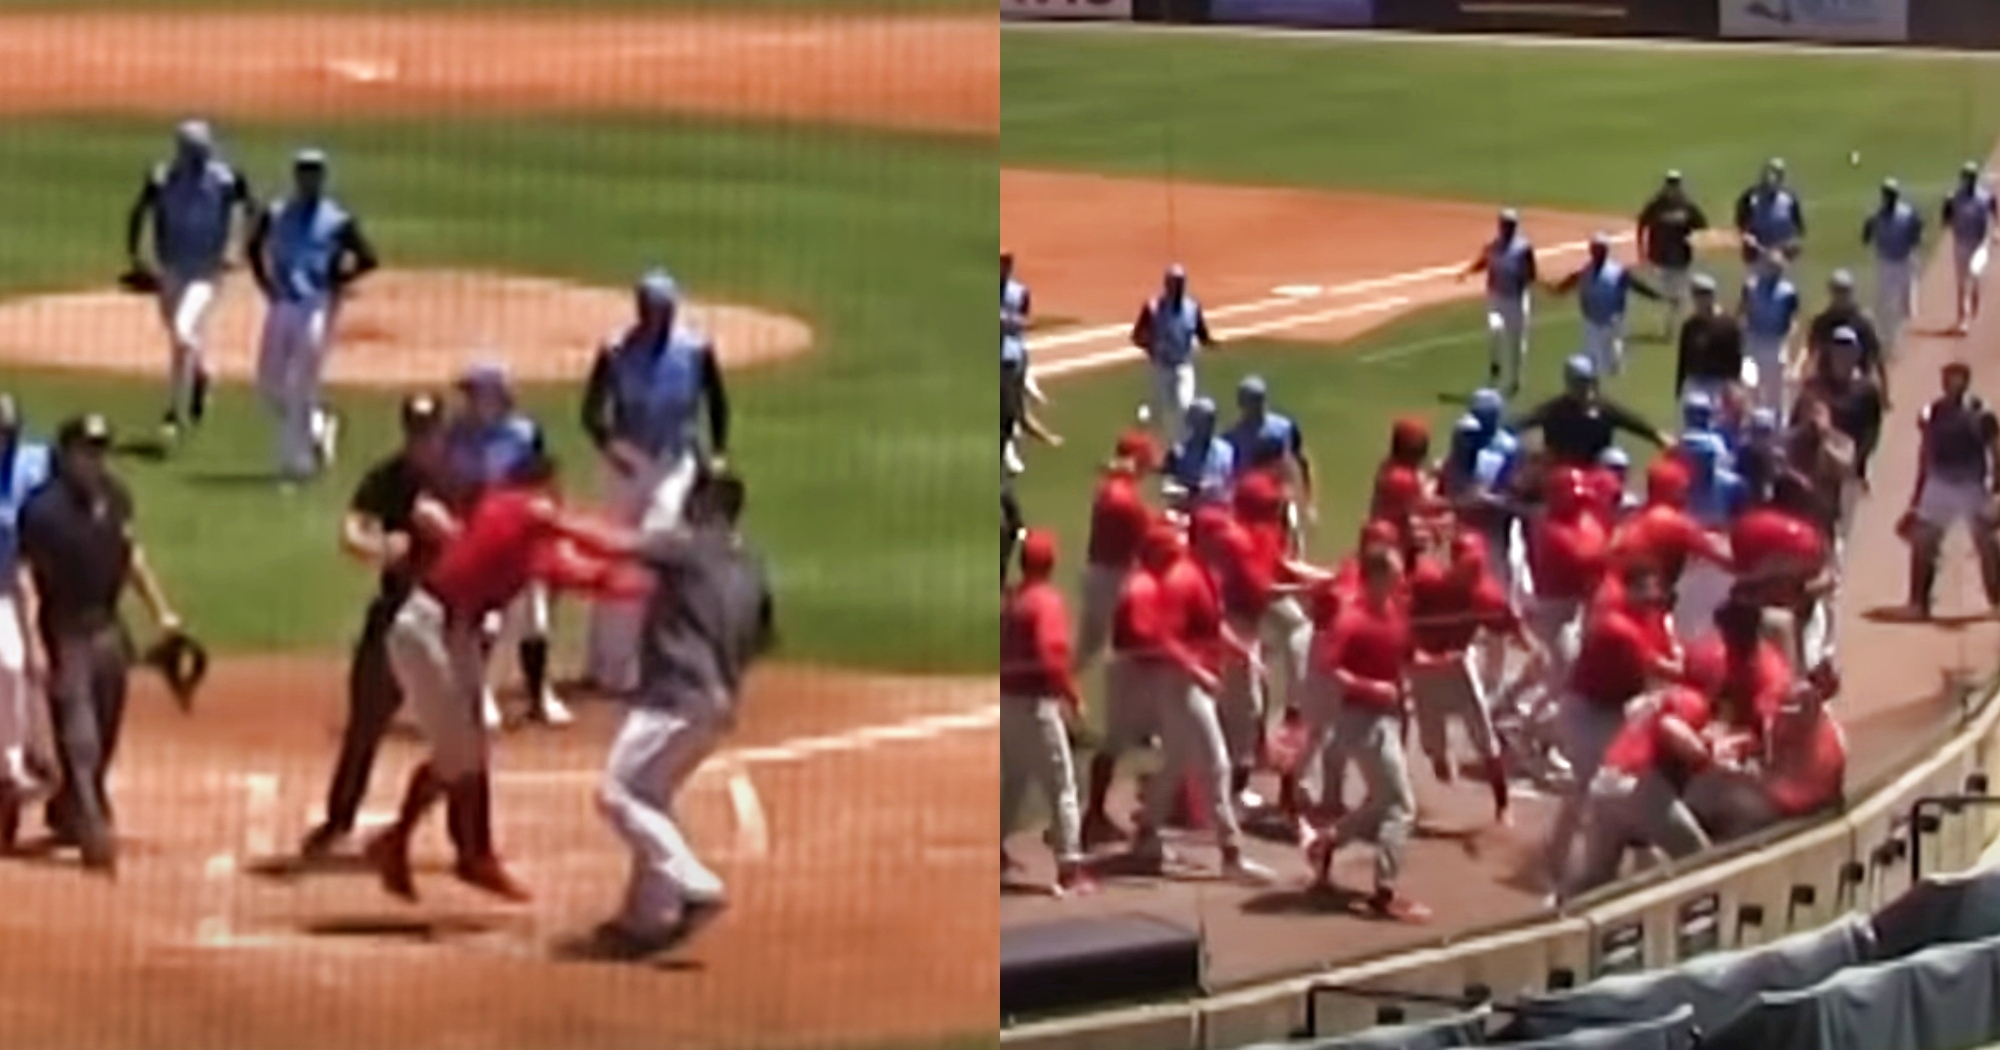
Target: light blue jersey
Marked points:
1507	269
657	390
1205	471
306	240
1176	331
1895	232
1014	306
1494	466
1774	217
192	209
1972	215
1247	436
1013	351
1770	305
27	468
1603	292
480	456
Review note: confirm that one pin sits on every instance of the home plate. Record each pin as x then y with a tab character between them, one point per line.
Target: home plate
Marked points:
1297	291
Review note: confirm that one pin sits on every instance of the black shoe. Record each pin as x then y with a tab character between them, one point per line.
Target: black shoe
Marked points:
322	842
198	397
100	854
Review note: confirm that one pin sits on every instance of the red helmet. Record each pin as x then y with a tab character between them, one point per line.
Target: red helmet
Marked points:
1567	489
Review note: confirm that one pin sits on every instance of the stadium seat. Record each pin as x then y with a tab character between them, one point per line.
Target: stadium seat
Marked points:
1942	998
1941	909
1467	1029
1074	964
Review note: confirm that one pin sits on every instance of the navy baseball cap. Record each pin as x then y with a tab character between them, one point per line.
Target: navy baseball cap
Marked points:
485	377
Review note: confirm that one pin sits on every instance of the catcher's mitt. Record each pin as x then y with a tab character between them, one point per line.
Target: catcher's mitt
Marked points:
182	661
139	280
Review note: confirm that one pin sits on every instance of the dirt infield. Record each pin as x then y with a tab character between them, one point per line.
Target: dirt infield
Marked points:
1353	261
401	328
854	817
928	73
858	869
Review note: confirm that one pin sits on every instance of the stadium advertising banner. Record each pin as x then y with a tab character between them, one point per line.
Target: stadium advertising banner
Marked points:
1073	9
1882	21
1312	13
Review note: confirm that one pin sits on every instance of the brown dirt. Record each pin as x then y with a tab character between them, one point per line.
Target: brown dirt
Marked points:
867	918
934	73
1093	248
401	328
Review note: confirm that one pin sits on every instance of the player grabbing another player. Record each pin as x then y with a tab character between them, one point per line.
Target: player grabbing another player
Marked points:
306	251
1667	226
516	533
1635	799
1602	286
1451	605
192	202
1170	330
645	395
709	616
1972	213
1508	261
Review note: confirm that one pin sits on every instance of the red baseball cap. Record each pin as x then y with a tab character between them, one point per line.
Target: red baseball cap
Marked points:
1667	481
1380	533
1038	553
1398	489
1468	546
1137	445
1259	495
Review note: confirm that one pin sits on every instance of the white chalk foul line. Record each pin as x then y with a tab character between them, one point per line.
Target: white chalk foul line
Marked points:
1292	298
259	839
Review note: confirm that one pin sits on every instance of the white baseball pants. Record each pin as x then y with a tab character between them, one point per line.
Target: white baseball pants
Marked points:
650	500
653	756
1605	343
185	302
1173	392
1507	318
527	618
17	707
1444	693
1767	352
1584	731
441	667
1034	749
1101	584
1191	738
291	362
1969	265
1703	588
1895	298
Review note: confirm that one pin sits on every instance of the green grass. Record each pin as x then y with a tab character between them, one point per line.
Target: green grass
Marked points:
868	488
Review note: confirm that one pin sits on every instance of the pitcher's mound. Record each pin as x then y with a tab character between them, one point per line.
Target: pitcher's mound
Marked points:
401	328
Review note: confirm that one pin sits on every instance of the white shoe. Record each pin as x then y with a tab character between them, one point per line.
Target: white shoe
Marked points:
489	710
551	711
1245	870
325	435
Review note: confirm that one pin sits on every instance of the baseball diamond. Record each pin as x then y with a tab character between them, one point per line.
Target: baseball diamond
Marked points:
453	210
1324	195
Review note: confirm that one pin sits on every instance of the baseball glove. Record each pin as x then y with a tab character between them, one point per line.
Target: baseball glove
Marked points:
182	661
139	280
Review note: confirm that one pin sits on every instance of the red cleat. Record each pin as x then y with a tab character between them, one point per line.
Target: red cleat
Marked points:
1320	847
1073	881
487	873
389	854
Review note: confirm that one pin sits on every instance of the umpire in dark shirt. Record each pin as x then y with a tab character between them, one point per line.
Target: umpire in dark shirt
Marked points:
1667	227
1578	424
76	538
381	529
1842	311
1710	354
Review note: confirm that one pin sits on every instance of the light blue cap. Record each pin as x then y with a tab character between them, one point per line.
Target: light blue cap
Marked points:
1469	424
1614	458
1845	336
1509	216
1487	402
487	376
1705	449
1252	386
1763	421
1202	408
658	288
1697	401
1579	366
195	134
309	157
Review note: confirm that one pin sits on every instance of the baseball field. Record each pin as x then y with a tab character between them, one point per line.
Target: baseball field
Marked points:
820	178
1321	191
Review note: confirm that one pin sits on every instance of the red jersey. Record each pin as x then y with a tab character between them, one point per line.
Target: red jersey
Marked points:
1259	496
1034	642
1448	609
1613	596
1191	611
1807	773
1242	569
1638	748
1665	536
1567	556
1606	493
1767	537
1613	660
1119	518
1135	622
507	540
1367	643
1746	689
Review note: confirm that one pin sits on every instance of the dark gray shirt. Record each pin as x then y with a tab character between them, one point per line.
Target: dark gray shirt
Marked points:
709	616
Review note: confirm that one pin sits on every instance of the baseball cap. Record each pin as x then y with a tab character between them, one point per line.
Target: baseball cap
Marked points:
1775	165
1137	446
1251	387
1673	174
1600	240
421	412
1509	215
1703	283
1891	185
1202	408
1579	368
194	134
1969	169
1486	401
1038	553
1841	280
309	157
657	287
1614	458
90	430
1176	272
1763	421
1845	336
10	413
485	376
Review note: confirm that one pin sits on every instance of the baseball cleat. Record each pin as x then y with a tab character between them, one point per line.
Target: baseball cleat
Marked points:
198	397
325	425
1239	868
1073	881
696	916
1388	904
489	710
389	854
550	710
322	842
487	873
